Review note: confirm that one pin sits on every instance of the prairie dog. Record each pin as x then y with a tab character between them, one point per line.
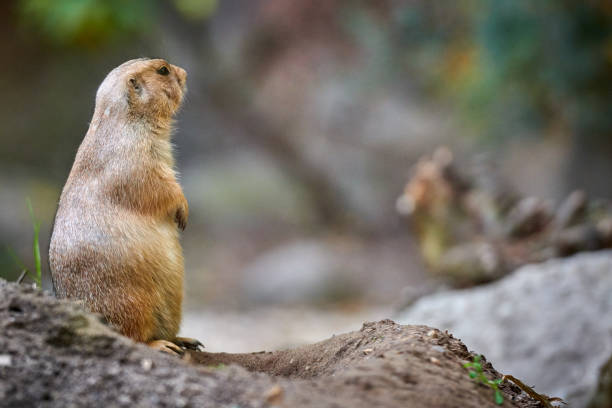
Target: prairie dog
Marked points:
115	243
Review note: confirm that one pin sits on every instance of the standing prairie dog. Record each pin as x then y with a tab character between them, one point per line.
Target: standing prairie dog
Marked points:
115	243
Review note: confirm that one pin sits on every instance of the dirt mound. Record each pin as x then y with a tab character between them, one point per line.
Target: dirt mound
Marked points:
54	354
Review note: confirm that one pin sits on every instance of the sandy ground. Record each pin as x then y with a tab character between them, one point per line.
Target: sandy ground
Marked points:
54	354
273	328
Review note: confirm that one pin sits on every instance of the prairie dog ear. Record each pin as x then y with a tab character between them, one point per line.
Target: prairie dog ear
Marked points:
135	85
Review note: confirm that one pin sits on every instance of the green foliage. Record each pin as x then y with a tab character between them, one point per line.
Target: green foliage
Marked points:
196	9
514	66
549	59
89	23
476	373
86	23
37	274
35	245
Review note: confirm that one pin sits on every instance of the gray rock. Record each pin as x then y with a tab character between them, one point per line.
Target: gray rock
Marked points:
236	190
303	271
326	269
549	324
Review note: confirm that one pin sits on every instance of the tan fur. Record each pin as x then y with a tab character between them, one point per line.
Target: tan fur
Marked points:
115	243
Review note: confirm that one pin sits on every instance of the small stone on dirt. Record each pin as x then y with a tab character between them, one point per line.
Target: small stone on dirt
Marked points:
5	360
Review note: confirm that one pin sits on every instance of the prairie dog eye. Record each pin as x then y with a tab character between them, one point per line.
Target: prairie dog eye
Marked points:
163	70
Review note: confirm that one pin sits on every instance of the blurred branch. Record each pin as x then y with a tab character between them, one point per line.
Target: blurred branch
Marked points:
229	105
226	95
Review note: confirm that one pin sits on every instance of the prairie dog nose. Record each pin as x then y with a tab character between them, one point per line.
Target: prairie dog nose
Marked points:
181	74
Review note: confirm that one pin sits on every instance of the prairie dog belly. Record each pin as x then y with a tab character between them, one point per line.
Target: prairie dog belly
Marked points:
155	259
162	258
125	266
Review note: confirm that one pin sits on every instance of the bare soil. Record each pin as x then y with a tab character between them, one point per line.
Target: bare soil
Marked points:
53	354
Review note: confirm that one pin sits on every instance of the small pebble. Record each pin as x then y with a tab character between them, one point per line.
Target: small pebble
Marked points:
5	360
146	364
114	369
438	348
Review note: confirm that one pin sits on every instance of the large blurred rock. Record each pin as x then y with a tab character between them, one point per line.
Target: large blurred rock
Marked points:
330	269
548	324
303	271
245	189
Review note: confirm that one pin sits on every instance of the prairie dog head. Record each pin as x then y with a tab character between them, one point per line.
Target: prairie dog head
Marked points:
143	89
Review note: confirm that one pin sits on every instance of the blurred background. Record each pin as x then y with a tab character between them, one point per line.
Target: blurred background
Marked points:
302	126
